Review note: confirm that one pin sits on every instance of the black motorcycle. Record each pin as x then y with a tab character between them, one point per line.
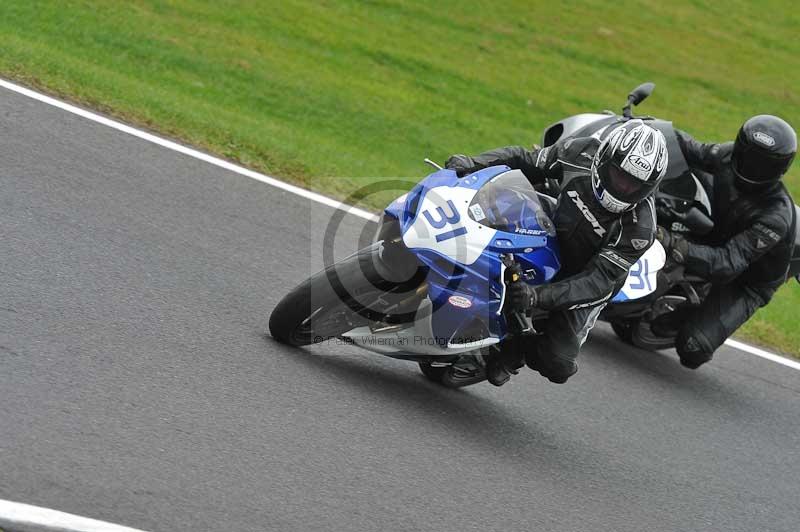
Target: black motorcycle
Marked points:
682	205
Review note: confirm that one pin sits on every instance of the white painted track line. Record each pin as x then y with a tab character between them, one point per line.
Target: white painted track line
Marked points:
18	515
319	198
763	354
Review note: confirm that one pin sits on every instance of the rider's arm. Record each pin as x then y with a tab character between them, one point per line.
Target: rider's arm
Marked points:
724	263
537	164
607	272
703	156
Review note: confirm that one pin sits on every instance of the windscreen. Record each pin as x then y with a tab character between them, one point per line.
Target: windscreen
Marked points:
509	203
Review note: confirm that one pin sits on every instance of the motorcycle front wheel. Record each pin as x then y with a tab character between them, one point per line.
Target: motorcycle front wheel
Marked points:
351	293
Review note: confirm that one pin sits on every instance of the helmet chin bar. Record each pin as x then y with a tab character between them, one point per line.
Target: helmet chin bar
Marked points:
750	186
612	204
604	197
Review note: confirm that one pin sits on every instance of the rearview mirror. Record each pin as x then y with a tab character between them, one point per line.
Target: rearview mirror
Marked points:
641	92
637	96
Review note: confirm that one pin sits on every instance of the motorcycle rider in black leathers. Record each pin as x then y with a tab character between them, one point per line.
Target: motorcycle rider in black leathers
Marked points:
605	220
747	254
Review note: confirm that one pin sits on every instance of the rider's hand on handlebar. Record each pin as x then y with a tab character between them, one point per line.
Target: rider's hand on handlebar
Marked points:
462	164
674	244
521	296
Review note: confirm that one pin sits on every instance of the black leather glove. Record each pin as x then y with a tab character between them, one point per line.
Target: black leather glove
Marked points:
462	164
674	244
520	296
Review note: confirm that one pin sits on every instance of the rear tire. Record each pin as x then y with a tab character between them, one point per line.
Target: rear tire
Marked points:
643	336
638	333
623	330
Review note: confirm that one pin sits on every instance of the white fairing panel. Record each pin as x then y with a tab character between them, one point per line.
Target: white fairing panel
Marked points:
574	123
444	225
417	338
642	276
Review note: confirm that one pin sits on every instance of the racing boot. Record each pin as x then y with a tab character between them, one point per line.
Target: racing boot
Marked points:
505	363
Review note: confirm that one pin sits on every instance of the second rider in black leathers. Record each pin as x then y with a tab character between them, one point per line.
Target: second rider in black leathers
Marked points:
747	254
605	221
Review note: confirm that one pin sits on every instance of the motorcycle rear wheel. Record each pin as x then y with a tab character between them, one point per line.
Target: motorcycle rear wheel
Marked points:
637	332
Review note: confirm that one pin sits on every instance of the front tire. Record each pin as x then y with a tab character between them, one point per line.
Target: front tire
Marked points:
348	294
309	314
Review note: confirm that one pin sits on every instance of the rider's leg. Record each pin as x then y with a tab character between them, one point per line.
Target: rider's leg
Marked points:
723	311
558	348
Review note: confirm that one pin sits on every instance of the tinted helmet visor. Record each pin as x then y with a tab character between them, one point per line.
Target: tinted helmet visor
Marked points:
622	185
754	166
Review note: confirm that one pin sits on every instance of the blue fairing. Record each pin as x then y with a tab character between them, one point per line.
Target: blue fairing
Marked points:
472	288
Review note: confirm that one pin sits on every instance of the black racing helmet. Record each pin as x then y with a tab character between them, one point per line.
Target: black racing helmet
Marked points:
764	150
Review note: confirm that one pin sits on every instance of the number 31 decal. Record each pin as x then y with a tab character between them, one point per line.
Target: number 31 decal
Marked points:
443	220
641	271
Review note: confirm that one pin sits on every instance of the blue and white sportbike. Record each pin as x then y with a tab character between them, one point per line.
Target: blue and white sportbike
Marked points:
431	288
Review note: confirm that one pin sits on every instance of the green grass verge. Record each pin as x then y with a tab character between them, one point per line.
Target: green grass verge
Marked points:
332	94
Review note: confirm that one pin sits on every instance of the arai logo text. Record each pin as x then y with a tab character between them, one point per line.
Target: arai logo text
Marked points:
640	162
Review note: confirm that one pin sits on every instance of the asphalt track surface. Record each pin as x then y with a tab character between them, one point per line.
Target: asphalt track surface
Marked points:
137	384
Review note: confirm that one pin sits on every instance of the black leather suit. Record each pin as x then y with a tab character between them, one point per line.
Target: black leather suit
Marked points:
597	247
746	256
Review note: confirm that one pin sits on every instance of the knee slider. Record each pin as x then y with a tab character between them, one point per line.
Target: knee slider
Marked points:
555	369
694	349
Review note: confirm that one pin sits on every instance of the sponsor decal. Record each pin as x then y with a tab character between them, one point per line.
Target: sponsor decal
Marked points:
477	212
679	227
533	232
616	259
639	244
591	303
460	301
767	232
692	345
576	199
764	139
541	159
